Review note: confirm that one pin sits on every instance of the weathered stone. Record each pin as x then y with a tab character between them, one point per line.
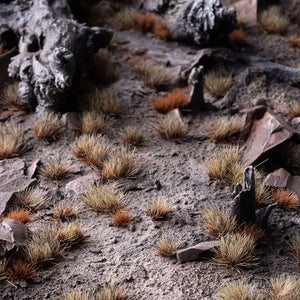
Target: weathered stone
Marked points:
4	62
254	113
71	120
175	113
200	251
32	169
204	22
296	122
12	234
157	6
266	134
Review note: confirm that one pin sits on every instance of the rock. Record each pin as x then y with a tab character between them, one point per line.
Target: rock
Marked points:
296	122
291	7
200	251
12	234
175	113
32	169
157	6
71	120
266	134
4	62
254	113
203	22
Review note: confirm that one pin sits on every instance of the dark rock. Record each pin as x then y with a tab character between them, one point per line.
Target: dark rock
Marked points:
71	120
4	62
254	113
200	251
263	214
204	22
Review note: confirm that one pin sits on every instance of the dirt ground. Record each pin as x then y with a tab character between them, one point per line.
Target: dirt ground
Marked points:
124	255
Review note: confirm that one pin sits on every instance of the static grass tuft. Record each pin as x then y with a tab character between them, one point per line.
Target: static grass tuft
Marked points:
125	19
272	20
284	287
55	169
217	222
71	234
93	122
239	36
3	268
236	251
286	199
20	269
132	136
166	247
217	83
176	99
10	98
91	149
20	214
101	199
145	22
12	141
65	210
123	218
48	126
295	247
172	128
295	41
295	110
76	295
159	208
112	292
253	231
162	31
32	198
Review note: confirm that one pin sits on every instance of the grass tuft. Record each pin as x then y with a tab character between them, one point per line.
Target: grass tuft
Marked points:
93	122
123	217
295	41
284	287
239	36
32	198
158	208
176	99
166	247
125	19
12	141
162	31
55	169
10	98
295	247
217	222
101	199
145	22
295	110
20	269
273	21
171	128
71	234
286	199
253	231
217	83
3	268
132	136
236	251
76	295
20	214
64	210
112	292
48	126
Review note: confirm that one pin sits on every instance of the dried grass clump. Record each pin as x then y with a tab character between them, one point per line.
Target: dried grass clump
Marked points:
91	149
3	50
236	250
263	194
159	208
286	199
237	290
93	122
3	268
32	198
295	110
284	287
125	19
101	199
10	98
123	217
20	269
166	247
253	231
64	210
295	247
225	129
20	214
12	141
158	77
217	83
239	36
172	128
55	169
145	22
48	126
71	234
120	164
217	222
162	31
76	295
273	21
176	99
112	292
132	136
295	41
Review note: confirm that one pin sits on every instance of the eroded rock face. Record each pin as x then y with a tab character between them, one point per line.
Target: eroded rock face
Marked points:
204	22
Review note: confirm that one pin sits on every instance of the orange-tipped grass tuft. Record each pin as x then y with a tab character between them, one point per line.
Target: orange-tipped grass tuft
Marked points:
65	210
217	83
253	231
166	247
145	22
32	198
21	215
295	110
295	247
55	169
162	31
286	199
284	287
159	208
132	136
239	36
20	269
93	122
71	234
176	99
295	41
12	141
123	218
48	126
112	292
101	199
10	98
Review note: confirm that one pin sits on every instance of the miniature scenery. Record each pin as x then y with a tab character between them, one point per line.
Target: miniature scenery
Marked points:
150	149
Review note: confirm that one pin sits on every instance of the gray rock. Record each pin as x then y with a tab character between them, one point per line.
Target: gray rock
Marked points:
200	251
32	169
71	120
204	22
158	6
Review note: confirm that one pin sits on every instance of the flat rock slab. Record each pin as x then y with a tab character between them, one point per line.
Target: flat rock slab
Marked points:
197	252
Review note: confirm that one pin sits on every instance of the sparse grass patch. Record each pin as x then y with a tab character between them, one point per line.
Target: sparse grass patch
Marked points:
123	217
93	122
253	231
225	129
217	83
171	128
64	210
162	31
166	247
112	292
3	50
237	290
286	199
159	208
239	36
158	77
3	268
132	136
125	19
120	164
32	198
145	22
71	234
10	98
295	41
295	110
101	199
176	99
76	295
91	149
48	126
20	214
20	269
284	287
295	247
55	169
217	222
273	21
